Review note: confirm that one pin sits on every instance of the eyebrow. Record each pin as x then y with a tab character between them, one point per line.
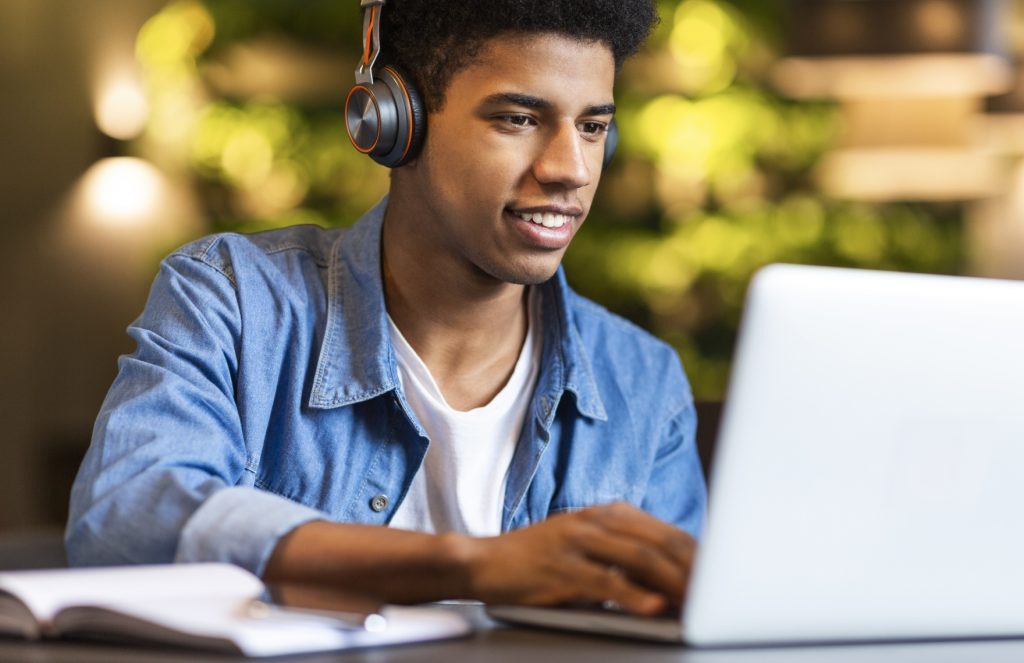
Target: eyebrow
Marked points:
530	101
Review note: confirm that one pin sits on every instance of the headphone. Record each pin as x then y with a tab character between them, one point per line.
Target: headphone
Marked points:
384	114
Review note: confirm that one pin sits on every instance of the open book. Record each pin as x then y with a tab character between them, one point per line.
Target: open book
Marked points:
205	606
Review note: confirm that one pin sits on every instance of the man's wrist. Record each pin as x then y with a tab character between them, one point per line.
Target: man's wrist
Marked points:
462	555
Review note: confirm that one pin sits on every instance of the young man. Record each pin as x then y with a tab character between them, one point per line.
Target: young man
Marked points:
295	392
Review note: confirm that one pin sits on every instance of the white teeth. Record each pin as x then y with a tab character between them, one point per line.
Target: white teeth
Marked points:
546	219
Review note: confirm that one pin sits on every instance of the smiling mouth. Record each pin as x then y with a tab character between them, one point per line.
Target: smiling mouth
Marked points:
546	219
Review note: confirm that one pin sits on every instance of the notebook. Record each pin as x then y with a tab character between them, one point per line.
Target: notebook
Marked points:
868	479
211	607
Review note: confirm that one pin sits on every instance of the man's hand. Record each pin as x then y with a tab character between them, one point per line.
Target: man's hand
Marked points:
604	553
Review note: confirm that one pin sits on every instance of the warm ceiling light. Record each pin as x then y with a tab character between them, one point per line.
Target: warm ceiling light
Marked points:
122	192
121	110
120	214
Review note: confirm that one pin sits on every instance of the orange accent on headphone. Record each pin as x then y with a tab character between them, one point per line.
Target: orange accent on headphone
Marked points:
369	34
408	105
349	131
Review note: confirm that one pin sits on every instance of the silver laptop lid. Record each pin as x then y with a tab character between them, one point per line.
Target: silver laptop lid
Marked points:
869	474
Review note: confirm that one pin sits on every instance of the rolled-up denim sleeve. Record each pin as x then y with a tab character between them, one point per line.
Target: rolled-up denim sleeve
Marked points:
677	491
168	476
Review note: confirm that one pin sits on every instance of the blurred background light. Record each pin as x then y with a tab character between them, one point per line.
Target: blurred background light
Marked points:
121	217
879	76
122	192
284	69
121	109
826	28
916	173
176	35
910	76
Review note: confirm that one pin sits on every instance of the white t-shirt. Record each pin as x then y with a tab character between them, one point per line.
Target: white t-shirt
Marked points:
460	487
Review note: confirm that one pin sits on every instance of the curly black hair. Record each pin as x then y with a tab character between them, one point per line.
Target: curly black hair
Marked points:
432	41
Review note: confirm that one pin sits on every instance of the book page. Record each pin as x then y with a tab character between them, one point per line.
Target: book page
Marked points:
204	606
45	593
15	618
225	625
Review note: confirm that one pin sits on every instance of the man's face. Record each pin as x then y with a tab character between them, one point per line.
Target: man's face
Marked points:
512	160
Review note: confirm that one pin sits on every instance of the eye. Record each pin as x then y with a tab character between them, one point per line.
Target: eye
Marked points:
592	128
516	120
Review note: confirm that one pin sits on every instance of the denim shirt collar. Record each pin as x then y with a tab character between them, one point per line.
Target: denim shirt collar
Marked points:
357	361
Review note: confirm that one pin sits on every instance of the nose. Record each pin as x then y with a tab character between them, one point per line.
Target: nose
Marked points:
563	158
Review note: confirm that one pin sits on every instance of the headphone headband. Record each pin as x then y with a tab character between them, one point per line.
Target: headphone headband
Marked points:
371	40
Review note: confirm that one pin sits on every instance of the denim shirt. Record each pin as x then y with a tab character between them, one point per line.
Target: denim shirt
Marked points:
264	394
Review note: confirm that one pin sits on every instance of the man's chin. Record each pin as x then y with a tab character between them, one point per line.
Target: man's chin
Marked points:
527	274
535	280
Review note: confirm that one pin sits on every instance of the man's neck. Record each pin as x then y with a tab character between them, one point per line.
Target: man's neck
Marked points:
466	326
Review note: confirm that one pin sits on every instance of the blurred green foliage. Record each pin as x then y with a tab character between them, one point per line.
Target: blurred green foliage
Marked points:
712	179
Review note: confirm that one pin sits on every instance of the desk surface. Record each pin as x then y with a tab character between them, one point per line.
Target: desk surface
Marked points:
497	644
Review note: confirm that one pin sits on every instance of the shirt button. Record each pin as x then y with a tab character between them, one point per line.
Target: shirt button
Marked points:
379	503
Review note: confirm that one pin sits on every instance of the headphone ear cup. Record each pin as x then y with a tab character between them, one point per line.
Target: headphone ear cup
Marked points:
417	114
386	120
611	141
370	118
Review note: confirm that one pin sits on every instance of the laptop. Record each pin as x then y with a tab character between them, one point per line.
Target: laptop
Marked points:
868	481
